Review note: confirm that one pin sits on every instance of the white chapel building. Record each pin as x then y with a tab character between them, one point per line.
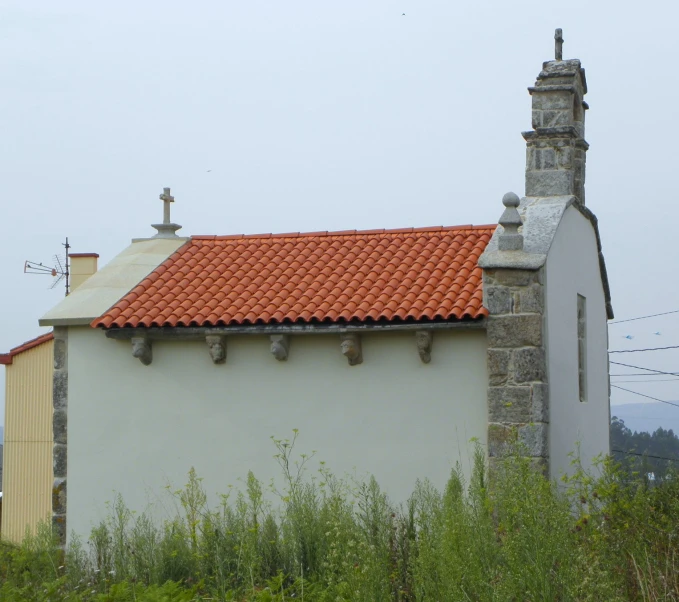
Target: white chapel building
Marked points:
389	350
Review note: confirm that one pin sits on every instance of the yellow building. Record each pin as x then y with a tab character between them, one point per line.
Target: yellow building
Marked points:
27	465
28	476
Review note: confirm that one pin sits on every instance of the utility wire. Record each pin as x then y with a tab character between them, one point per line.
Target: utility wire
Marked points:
639	374
620	451
666	313
635	418
647	369
659	380
649	349
647	396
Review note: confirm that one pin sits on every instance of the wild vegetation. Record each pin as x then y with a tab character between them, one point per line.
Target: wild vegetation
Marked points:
653	454
609	537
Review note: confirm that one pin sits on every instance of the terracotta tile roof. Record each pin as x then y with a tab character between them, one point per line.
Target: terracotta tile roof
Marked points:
387	275
8	358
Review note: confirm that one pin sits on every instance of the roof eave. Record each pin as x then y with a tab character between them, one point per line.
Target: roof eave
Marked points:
199	332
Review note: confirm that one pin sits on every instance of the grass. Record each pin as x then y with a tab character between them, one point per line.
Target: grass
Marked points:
521	538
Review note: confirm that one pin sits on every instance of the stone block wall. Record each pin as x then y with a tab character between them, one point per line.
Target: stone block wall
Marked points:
518	393
59	425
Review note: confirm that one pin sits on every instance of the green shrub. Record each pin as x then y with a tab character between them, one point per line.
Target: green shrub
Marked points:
601	535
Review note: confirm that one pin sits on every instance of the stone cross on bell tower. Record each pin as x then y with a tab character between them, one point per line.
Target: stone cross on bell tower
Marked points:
558	45
167	229
555	154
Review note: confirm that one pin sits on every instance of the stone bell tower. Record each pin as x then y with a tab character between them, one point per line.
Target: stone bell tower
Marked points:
556	147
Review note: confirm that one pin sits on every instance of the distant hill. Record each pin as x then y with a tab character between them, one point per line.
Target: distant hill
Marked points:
647	416
2	434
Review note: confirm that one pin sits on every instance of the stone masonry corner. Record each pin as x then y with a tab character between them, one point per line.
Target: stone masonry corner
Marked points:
59	425
518	392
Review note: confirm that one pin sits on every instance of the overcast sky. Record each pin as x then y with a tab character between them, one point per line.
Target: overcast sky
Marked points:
318	115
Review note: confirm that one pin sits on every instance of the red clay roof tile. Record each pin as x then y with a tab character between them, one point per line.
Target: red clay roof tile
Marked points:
8	358
409	273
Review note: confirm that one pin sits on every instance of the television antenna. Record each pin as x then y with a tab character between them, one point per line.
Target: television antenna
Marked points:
59	270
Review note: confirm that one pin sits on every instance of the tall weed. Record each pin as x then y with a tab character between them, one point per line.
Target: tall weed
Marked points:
599	535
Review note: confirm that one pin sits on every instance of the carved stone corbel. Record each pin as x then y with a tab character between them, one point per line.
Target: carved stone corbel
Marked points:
424	339
280	346
141	349
217	347
350	344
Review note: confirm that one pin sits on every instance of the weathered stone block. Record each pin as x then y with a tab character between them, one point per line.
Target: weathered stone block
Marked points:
60	389
59	426
498	366
558	99
565	157
509	404
533	437
555	118
529	364
549	183
550	142
508	277
548	158
500	439
59	460
59	528
518	330
529	300
59	496
540	402
59	354
497	299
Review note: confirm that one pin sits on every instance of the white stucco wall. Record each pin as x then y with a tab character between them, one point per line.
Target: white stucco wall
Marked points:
573	268
133	428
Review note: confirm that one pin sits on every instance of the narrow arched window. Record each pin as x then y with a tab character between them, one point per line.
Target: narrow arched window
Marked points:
582	347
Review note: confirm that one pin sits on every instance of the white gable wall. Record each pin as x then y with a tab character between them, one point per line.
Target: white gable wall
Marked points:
573	268
134	428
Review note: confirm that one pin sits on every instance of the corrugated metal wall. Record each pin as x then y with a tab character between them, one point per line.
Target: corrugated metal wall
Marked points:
27	474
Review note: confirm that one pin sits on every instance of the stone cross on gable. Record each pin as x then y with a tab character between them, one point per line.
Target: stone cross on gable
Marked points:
558	45
167	229
167	198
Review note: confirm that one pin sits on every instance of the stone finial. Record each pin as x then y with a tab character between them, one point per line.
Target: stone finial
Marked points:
424	340
510	239
280	346
167	229
141	349
350	345
217	347
558	44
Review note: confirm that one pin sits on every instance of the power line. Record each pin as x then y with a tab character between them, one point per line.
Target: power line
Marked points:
635	418
666	313
638	374
647	369
658	380
647	396
620	451
649	349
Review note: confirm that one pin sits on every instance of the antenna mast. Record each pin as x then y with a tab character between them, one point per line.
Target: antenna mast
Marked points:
59	270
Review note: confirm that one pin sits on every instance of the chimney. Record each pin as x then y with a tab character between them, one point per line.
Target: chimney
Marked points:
555	153
83	265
